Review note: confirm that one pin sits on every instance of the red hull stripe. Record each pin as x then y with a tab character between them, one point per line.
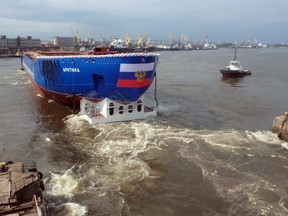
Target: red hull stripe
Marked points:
133	83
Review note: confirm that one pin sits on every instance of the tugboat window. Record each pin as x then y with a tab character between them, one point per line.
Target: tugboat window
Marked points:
130	108
121	110
139	105
111	109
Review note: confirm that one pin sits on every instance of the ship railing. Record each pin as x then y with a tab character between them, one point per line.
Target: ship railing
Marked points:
24	167
29	167
40	204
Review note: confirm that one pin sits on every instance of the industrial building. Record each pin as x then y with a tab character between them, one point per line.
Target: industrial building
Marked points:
12	45
63	42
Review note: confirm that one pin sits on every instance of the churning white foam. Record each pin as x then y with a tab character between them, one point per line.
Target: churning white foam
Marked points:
263	136
75	122
118	147
285	145
71	209
62	184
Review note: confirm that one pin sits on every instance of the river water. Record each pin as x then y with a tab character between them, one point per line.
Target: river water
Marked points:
209	151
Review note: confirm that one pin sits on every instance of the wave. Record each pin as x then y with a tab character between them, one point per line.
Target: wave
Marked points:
115	160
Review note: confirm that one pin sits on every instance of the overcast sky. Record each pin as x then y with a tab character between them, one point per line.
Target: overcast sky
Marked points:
222	20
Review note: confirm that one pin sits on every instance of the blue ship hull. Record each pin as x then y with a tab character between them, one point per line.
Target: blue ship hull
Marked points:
122	77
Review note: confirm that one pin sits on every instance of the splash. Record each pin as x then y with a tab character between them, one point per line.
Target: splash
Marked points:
264	137
75	123
285	145
117	161
70	208
62	184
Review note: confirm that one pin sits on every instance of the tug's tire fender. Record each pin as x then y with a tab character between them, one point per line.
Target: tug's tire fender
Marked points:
40	175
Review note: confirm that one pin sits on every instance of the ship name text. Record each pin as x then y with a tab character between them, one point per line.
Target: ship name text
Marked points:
71	70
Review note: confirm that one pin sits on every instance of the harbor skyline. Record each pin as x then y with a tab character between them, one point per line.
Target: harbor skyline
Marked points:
209	151
224	21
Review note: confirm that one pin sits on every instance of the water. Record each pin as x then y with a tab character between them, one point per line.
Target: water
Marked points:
209	151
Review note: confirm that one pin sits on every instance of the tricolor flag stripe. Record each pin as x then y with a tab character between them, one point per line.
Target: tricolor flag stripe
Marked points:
132	75
136	67
133	83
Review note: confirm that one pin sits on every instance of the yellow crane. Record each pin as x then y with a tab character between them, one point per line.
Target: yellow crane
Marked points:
127	40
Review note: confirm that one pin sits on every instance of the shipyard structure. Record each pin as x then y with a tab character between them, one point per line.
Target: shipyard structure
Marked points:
13	45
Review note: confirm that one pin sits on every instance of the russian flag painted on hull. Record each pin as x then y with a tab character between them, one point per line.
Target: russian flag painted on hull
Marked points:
135	75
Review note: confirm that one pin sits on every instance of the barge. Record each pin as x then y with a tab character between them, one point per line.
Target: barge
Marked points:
21	188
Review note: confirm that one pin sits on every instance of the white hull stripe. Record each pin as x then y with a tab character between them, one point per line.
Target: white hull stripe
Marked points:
136	67
119	55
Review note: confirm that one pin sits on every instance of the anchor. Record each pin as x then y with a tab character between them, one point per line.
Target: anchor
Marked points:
73	96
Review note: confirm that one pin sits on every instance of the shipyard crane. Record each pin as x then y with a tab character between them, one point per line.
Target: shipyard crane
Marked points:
73	38
184	39
102	40
146	40
127	40
112	38
77	42
170	38
78	37
139	40
89	41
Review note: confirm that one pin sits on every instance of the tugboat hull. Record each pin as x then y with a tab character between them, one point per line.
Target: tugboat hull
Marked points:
235	73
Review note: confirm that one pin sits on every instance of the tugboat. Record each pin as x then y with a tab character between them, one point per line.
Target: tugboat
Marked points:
234	69
21	187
